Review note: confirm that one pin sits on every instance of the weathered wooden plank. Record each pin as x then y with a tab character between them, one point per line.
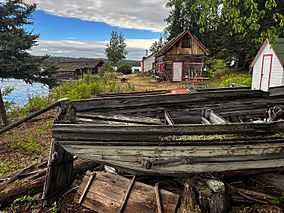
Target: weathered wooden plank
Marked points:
227	169
61	130
222	151
126	195
169	119
194	140
59	173
118	102
213	117
121	118
107	191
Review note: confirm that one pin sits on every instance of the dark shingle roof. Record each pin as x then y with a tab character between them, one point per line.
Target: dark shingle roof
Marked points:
279	49
72	66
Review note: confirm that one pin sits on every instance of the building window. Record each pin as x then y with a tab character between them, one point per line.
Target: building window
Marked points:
186	42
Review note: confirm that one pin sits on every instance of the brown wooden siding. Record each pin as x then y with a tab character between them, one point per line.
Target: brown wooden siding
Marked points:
178	50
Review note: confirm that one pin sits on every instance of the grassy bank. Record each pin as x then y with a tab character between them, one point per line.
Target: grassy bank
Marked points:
84	88
30	142
222	76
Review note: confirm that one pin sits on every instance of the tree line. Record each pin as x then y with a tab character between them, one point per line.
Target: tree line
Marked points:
232	30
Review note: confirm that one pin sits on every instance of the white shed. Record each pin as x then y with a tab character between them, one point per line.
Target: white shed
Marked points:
267	66
148	63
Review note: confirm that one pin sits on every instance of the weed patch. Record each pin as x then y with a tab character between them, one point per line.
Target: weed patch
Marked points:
241	79
6	167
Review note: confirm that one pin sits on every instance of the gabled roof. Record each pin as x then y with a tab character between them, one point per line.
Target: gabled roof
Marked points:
172	42
146	57
278	50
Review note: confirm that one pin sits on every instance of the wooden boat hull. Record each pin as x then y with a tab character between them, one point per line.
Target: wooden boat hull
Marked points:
178	150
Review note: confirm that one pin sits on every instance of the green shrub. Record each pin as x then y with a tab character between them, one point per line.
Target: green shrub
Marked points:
106	68
125	69
216	69
84	88
242	79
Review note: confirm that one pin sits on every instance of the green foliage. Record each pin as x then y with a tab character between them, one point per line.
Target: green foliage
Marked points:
19	182
278	200
116	48
106	68
30	145
54	207
157	45
234	36
215	67
25	199
176	18
125	69
185	15
34	104
9	105
15	60
84	88
241	79
6	167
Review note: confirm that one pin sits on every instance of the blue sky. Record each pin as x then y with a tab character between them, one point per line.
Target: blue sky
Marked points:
52	27
81	28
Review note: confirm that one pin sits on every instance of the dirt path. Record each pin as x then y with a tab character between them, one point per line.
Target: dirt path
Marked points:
148	83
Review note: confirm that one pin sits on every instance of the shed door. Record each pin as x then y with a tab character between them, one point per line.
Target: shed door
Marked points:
266	72
177	71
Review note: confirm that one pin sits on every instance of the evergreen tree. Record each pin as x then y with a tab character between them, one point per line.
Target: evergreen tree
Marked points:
175	20
184	15
157	45
116	48
15	41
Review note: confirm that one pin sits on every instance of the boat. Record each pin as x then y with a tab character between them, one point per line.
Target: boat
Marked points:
225	132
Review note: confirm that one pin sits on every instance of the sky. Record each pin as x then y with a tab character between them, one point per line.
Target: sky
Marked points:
81	28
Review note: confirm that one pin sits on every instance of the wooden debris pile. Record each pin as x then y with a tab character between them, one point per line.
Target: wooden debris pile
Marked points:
211	151
30	181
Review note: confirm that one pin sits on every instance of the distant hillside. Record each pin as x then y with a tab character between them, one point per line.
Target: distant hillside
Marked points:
67	59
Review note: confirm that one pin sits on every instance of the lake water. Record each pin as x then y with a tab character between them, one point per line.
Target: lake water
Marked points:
23	92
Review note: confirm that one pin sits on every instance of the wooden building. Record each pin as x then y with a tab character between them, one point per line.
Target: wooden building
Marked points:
181	58
267	66
74	70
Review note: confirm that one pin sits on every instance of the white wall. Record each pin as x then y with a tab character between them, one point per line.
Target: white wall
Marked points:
148	63
277	75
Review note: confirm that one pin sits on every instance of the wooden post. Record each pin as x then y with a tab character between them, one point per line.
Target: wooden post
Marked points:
189	202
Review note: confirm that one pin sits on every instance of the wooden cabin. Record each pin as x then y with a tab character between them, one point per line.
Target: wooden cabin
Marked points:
267	66
148	63
77	69
181	58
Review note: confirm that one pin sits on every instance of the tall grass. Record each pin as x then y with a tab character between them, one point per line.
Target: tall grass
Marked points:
84	88
241	79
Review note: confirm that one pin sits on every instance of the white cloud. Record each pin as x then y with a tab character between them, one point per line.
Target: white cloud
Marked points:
89	49
143	14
